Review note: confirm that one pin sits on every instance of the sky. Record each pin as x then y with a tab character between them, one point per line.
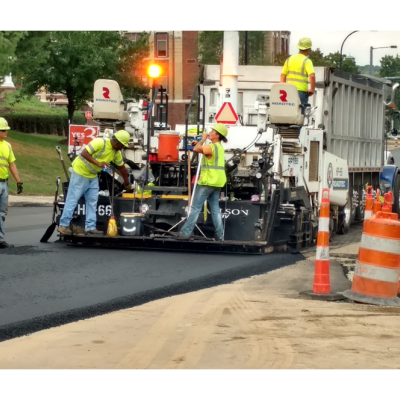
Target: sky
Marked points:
356	45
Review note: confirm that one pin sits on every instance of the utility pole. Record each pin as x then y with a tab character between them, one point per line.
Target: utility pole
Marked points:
246	47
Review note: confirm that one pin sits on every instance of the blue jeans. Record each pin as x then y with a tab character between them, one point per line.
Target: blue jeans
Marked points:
80	186
3	207
304	100
202	194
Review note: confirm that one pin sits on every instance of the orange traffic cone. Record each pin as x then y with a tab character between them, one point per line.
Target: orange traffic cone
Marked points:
377	202
322	286
377	271
387	203
369	203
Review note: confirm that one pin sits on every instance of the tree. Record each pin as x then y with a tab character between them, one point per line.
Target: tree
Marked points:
318	59
8	44
210	47
390	67
70	62
348	64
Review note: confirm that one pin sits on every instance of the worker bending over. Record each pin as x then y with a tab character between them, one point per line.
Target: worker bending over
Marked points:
84	179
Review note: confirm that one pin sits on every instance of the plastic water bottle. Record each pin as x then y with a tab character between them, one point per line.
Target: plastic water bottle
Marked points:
262	198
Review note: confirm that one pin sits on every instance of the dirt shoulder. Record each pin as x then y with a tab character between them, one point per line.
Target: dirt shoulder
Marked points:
259	322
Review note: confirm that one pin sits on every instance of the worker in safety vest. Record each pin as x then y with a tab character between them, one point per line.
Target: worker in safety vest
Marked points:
7	163
212	179
299	71
84	178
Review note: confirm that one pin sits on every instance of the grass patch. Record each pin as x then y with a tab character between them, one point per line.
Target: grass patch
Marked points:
37	162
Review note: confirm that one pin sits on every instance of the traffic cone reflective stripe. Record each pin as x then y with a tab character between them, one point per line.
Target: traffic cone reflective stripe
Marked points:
369	203
377	270
321	276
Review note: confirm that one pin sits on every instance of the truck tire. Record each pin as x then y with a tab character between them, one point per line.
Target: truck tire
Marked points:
361	204
396	195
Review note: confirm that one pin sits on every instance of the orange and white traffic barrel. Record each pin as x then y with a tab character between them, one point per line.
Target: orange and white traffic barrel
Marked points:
377	270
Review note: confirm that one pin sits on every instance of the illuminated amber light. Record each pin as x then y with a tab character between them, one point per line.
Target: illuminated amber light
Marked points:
154	71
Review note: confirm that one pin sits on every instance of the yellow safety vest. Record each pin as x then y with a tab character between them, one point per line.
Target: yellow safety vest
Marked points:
297	70
6	158
102	151
213	169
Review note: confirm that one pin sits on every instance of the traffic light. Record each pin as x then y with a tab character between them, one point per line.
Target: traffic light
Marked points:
154	71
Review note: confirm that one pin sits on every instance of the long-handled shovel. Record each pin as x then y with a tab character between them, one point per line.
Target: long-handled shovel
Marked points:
50	230
58	148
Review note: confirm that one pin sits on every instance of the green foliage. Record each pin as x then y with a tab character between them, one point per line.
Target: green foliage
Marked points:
37	162
211	46
29	115
348	65
49	124
390	67
8	44
318	59
69	62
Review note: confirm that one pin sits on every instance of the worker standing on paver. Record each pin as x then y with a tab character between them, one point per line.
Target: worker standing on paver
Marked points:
212	179
7	163
299	71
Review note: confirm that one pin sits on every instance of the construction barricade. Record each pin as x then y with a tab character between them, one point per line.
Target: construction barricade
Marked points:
322	287
377	270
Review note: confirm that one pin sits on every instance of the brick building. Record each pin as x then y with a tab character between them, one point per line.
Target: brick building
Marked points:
277	42
176	53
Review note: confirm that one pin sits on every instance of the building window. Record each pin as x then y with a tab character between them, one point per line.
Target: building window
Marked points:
214	95
161	45
133	36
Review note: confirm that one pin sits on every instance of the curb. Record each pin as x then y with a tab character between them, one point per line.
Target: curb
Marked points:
30	201
29	204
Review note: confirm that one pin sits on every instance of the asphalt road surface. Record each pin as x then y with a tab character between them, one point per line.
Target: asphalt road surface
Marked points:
43	285
396	155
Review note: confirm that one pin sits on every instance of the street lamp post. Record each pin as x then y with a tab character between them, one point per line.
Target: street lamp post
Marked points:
371	49
341	49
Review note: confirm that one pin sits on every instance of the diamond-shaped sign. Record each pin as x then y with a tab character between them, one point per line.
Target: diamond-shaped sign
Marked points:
226	115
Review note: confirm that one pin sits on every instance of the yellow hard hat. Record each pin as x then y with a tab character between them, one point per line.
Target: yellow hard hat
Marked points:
4	125
221	129
123	137
304	44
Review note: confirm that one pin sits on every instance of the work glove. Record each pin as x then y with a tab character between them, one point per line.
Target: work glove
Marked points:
129	188
19	188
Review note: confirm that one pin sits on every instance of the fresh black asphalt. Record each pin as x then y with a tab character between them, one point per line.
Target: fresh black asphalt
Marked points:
43	285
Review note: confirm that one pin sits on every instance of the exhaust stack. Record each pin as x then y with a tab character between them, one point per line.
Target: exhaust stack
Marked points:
229	69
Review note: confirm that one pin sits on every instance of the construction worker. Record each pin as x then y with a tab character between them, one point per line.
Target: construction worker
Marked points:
84	178
299	71
7	162
212	179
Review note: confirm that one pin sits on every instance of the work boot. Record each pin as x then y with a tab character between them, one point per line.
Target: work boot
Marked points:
5	245
64	230
94	232
182	237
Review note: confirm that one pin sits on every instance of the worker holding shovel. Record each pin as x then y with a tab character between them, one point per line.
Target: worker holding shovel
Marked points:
84	181
212	179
